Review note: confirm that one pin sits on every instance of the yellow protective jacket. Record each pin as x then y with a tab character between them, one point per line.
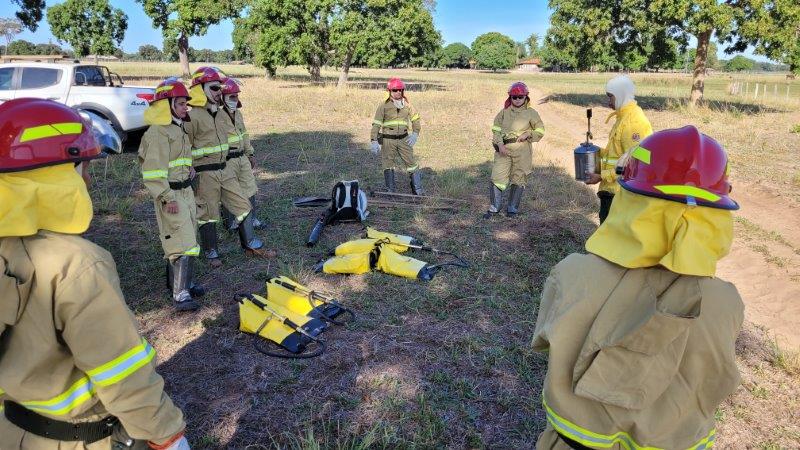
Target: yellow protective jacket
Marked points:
165	155
70	348
637	357
512	122
630	128
391	120
239	140
208	134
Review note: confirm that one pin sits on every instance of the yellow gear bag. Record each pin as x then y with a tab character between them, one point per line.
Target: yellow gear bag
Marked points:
356	263
393	263
393	238
278	324
299	299
365	245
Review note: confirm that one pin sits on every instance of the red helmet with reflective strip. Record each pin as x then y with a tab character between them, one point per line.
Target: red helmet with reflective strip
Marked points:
205	75
37	133
395	83
681	165
171	88
517	89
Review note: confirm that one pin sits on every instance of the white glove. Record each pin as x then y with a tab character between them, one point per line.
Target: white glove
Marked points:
180	444
412	139
376	147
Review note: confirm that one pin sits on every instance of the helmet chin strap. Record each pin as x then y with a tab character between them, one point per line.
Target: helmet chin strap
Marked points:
177	120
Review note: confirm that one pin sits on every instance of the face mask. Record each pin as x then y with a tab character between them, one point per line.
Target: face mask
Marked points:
232	104
398	103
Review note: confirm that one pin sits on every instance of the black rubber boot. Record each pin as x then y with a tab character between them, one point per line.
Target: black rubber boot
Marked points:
495	199
252	245
181	279
257	224
416	183
195	289
388	179
208	242
229	221
514	199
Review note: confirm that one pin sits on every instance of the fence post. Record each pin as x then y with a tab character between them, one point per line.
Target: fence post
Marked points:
755	93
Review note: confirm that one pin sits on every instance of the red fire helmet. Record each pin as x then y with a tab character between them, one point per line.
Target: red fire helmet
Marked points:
395	83
171	88
681	165
205	75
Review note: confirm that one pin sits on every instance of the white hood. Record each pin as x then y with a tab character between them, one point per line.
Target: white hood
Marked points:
623	90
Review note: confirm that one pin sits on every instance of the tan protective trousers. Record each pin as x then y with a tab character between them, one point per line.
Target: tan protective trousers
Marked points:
217	187
178	232
244	173
396	153
514	168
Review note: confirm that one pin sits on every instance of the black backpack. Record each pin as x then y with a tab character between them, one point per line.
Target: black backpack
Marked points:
348	203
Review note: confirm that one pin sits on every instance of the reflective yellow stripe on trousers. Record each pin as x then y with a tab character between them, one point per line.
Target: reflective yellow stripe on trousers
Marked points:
83	389
596	440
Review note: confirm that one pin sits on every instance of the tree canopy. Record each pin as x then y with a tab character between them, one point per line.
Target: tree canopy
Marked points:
494	51
456	55
89	26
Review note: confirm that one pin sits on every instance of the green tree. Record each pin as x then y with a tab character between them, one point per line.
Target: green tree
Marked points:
772	27
289	32
521	49
180	19
739	63
150	52
89	26
702	19
9	28
49	49
21	47
30	12
457	55
532	42
494	51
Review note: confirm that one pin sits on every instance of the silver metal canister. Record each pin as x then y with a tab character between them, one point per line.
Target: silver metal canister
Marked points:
586	156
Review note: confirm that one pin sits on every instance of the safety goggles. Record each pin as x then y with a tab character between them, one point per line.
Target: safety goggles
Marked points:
517	97
215	88
396	90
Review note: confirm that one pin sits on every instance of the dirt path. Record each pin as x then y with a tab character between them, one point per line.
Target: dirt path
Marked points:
765	255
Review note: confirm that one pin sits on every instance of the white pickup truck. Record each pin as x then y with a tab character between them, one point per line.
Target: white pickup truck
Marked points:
90	87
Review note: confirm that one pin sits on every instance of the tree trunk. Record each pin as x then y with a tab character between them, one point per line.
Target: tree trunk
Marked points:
314	69
345	73
269	73
699	78
183	54
96	59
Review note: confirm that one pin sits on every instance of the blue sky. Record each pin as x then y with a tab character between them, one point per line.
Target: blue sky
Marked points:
458	20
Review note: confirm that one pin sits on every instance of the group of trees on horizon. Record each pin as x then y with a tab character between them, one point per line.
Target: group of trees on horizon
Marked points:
584	35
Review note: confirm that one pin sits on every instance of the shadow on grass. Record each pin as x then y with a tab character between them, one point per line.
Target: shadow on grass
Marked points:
439	364
665	103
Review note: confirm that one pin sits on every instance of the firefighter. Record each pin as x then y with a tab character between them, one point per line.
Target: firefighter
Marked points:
640	334
516	127
216	182
631	126
240	153
390	135
74	371
166	159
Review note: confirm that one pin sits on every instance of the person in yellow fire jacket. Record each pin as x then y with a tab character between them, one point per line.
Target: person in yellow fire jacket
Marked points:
240	153
390	136
640	334
166	159
516	127
74	371
631	126
209	129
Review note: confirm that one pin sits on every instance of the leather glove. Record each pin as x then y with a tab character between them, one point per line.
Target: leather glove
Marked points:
412	139
375	148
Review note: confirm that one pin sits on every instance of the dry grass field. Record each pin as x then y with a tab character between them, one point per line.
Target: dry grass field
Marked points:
446	364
